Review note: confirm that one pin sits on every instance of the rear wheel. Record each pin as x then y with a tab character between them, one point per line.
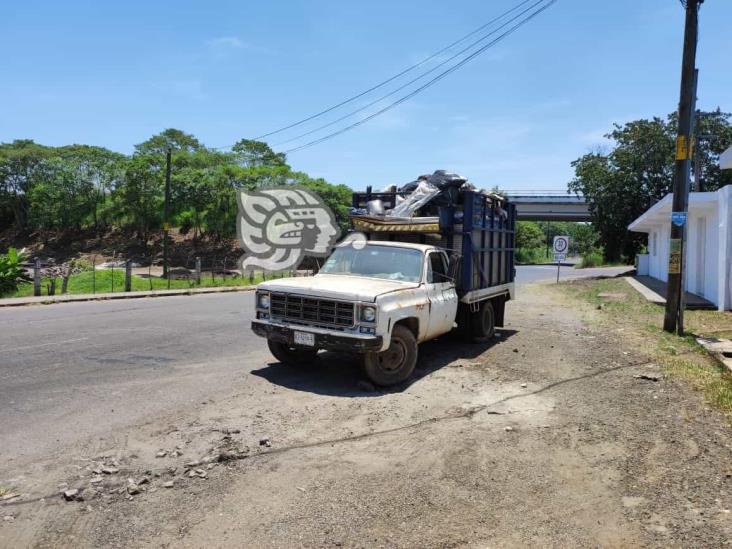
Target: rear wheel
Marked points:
294	356
484	323
395	364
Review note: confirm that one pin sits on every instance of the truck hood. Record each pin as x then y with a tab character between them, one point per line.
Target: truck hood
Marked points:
345	287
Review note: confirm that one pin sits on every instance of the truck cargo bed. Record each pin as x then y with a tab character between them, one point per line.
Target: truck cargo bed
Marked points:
478	228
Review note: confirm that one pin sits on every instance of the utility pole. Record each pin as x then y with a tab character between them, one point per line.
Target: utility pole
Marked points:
166	214
673	320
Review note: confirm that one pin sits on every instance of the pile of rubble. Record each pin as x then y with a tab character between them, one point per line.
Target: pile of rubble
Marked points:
111	478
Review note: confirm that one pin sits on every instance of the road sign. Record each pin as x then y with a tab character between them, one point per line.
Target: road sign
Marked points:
561	244
561	247
679	218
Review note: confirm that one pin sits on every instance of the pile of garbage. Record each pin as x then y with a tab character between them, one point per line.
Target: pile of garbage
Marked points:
419	202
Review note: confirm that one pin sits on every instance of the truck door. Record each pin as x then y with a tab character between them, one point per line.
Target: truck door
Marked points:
441	294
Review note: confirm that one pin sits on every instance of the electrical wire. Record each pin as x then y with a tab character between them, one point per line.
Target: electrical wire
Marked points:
420	77
427	84
396	76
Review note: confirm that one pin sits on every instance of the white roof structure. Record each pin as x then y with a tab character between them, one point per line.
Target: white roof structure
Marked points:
661	210
725	159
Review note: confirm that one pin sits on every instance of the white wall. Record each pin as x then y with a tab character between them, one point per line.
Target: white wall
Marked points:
717	239
724	248
709	287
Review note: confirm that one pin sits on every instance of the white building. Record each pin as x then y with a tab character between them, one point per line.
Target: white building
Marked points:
708	243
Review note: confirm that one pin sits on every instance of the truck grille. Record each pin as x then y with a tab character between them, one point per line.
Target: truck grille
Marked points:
311	310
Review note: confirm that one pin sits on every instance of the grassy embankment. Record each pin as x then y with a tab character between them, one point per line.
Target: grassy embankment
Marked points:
107	281
638	324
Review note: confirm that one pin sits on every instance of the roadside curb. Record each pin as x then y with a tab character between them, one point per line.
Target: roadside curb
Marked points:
71	298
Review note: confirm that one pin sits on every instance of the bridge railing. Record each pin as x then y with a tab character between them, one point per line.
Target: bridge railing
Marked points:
540	192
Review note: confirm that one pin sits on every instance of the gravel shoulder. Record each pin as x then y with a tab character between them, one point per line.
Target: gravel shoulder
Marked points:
542	438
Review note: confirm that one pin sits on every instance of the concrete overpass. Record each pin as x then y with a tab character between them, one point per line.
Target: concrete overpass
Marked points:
549	206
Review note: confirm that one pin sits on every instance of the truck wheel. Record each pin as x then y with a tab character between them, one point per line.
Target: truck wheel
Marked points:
293	356
395	364
484	323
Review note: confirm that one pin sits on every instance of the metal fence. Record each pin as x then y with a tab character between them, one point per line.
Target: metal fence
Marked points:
96	276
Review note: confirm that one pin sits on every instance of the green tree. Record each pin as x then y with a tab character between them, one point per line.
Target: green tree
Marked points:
140	195
97	172
175	140
529	235
583	238
20	161
336	197
638	171
254	154
58	198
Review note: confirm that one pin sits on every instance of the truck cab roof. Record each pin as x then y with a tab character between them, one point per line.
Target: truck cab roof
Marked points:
421	247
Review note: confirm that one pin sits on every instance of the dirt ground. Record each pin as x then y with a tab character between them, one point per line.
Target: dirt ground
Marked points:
542	438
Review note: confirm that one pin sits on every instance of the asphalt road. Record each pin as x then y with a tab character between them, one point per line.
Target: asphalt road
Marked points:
527	274
70	371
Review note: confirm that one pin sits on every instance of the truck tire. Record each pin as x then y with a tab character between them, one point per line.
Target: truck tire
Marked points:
395	364
292	356
484	323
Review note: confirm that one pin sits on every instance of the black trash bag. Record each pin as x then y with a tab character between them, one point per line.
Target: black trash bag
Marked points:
443	180
412	185
408	187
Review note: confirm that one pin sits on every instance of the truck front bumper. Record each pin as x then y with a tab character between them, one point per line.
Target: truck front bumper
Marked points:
352	343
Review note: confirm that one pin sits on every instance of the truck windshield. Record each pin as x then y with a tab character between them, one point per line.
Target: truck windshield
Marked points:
387	262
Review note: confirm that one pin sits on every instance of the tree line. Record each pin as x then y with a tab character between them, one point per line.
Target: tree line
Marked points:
47	191
638	169
50	191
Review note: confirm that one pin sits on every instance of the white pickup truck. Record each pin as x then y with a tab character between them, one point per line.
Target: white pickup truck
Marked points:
382	298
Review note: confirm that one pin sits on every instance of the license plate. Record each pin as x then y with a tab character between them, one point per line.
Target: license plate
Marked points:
304	338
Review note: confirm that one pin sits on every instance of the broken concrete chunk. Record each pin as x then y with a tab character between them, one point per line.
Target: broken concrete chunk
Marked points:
71	495
169	484
161	454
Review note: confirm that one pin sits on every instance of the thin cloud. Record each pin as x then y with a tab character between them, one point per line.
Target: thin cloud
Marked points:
225	45
226	42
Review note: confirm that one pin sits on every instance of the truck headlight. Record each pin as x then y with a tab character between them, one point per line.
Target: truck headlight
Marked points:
368	314
263	301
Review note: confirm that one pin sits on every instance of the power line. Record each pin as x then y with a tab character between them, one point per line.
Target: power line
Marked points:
427	84
396	76
404	86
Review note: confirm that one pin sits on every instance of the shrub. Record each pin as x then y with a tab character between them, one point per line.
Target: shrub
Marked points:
80	264
592	259
11	273
531	255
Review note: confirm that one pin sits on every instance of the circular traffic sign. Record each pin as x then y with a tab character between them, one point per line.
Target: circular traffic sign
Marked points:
561	243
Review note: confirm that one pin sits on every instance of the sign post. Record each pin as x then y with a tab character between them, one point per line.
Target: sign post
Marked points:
561	247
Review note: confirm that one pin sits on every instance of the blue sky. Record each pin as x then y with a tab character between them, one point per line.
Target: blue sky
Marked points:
114	73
